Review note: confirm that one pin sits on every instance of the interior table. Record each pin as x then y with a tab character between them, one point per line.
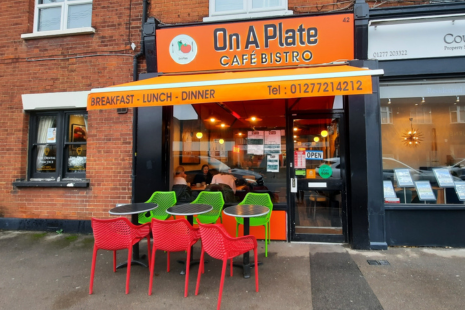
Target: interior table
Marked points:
133	209
246	212
189	210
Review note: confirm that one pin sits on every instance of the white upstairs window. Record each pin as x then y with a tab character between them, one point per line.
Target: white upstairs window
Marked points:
242	9
62	15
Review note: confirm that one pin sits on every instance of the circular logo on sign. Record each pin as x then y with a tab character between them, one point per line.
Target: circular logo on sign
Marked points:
183	49
325	171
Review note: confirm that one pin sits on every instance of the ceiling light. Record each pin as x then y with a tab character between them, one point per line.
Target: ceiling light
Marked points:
221	141
422	99
295	128
199	135
222	125
316	139
324	133
389	101
458	99
253	119
412	137
295	136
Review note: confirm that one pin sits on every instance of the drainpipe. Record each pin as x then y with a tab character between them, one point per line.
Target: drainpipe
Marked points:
135	110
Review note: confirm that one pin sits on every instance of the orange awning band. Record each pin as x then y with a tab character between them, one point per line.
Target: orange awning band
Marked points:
235	86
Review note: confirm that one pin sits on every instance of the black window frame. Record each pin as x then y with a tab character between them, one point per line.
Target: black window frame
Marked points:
61	144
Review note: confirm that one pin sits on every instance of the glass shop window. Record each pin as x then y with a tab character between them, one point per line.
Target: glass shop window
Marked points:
235	148
424	144
59	145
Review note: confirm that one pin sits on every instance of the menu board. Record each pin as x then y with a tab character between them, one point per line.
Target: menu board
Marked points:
299	160
389	190
443	177
272	163
404	179
460	190
424	191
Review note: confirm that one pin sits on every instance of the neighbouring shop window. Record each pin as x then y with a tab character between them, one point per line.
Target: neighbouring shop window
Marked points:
425	141
243	142
62	14
243	8
58	147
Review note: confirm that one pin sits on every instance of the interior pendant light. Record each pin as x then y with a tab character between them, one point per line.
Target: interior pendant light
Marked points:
316	139
324	133
412	137
199	135
221	141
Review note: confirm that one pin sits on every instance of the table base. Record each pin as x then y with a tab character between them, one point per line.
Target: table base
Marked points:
133	262
246	268
192	262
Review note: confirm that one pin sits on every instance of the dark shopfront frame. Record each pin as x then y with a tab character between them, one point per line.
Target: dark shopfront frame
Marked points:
365	208
419	225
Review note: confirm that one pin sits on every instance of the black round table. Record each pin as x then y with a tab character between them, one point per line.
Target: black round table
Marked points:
189	210
133	209
246	212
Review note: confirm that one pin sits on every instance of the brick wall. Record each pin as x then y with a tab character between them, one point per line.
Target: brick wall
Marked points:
65	64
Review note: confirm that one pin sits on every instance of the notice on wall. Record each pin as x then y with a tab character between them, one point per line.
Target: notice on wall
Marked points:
272	163
299	160
424	191
460	190
404	179
443	178
255	141
389	190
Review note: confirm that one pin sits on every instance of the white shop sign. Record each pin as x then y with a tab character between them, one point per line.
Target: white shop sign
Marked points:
434	36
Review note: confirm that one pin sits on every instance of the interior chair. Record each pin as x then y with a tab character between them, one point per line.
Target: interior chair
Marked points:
164	200
408	196
314	199
214	199
220	245
264	220
117	234
173	236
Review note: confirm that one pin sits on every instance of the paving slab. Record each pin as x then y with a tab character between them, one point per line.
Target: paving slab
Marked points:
51	271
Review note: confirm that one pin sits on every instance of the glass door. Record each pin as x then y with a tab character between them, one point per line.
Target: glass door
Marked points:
317	174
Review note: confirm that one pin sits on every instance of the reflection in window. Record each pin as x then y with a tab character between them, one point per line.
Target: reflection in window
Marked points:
457	114
386	115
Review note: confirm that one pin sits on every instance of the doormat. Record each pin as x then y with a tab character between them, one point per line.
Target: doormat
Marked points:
337	283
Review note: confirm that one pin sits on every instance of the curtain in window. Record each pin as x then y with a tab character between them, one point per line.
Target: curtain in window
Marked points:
45	122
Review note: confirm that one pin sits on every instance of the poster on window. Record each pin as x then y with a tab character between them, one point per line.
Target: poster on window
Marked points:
51	135
255	140
460	190
424	191
272	142
404	179
299	160
389	190
443	177
272	163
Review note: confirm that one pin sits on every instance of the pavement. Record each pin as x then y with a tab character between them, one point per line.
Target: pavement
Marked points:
45	270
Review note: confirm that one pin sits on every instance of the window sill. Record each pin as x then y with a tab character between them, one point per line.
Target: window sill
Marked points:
247	16
57	33
72	183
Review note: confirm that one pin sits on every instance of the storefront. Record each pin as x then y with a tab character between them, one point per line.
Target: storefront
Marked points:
279	104
422	122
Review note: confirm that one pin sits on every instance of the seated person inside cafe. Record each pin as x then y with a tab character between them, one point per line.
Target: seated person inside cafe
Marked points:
180	187
179	176
225	177
204	176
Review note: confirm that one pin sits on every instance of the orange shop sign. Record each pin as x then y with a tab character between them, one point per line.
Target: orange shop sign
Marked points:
256	44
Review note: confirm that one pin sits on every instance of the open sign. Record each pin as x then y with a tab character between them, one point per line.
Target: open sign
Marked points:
314	155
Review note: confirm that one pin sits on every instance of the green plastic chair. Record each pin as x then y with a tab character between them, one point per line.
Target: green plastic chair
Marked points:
214	199
164	200
261	200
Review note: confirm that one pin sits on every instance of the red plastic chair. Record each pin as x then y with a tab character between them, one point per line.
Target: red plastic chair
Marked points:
173	236
117	234
220	245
